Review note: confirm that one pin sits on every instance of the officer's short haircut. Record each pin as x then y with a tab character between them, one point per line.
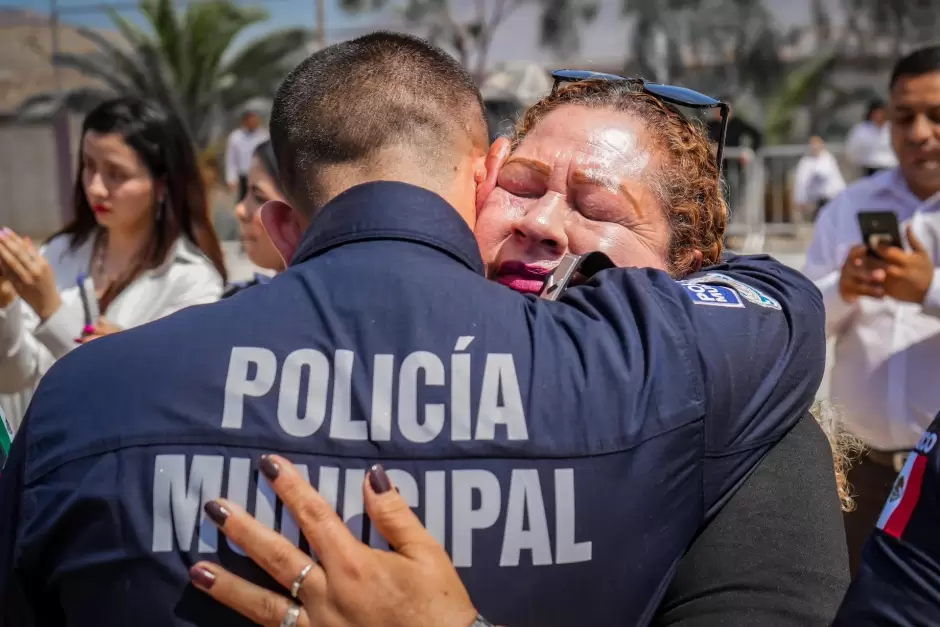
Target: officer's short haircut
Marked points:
917	63
384	94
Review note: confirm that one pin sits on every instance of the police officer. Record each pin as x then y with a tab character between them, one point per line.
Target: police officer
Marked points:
565	453
898	581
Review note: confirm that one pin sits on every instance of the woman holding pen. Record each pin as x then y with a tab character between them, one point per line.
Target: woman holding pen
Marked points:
140	247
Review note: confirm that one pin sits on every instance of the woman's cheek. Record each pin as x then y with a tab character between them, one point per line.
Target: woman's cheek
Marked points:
624	247
494	224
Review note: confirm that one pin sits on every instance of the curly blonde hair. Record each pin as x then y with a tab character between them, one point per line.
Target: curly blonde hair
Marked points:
846	448
686	183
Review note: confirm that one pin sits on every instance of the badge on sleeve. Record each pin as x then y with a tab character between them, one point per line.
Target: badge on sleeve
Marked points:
746	291
714	295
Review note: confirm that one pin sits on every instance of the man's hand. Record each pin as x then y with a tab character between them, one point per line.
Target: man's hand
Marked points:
908	275
860	276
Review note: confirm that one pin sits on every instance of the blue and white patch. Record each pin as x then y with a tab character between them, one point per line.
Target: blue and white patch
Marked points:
713	295
746	291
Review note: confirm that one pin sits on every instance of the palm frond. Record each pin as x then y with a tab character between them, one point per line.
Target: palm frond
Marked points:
267	53
783	105
40	106
96	66
169	38
184	60
124	62
130	32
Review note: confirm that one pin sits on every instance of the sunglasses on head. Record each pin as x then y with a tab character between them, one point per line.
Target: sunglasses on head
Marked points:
672	94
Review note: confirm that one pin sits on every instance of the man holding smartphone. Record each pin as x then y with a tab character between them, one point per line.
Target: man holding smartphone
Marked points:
882	302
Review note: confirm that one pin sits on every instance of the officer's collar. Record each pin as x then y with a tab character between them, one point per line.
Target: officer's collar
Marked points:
390	210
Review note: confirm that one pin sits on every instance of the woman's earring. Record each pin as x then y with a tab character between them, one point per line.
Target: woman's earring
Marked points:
161	209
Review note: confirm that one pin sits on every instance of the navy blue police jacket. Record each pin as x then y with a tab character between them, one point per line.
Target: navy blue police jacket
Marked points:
565	453
898	580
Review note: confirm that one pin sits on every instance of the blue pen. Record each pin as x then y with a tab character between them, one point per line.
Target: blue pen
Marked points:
86	305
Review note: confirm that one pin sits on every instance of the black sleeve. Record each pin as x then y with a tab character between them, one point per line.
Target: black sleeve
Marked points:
775	554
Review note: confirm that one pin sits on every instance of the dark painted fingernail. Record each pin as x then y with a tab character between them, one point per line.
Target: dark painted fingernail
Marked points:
216	512
268	468
201	577
379	480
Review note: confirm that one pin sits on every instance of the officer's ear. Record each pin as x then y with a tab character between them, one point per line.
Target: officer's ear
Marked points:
284	226
495	159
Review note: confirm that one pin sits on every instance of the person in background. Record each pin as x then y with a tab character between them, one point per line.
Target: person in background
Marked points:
883	313
263	185
140	231
868	144
239	151
818	179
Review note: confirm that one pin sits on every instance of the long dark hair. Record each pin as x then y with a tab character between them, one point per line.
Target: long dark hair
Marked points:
265	154
160	139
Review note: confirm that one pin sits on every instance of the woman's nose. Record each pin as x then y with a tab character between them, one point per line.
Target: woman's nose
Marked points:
543	224
241	212
96	190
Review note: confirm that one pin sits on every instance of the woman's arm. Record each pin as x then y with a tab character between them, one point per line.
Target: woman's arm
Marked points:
23	358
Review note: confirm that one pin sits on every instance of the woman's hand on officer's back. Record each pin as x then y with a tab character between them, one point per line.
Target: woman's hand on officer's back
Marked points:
352	584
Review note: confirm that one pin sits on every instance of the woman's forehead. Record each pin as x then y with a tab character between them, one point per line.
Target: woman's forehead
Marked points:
589	138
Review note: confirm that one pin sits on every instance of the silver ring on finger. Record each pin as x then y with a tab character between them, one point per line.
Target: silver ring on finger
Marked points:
290	619
299	581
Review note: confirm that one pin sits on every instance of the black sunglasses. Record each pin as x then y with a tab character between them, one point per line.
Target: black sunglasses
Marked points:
672	94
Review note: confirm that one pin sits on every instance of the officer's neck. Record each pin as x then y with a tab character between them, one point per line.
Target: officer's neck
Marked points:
459	190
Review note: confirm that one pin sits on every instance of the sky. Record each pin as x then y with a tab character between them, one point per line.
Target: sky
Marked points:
517	38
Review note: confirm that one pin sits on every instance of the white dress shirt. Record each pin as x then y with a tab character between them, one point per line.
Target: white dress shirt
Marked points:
28	347
887	352
818	178
239	151
869	145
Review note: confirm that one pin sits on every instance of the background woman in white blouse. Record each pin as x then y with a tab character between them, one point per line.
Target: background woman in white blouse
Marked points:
141	232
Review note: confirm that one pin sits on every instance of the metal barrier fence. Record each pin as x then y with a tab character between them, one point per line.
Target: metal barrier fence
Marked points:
759	191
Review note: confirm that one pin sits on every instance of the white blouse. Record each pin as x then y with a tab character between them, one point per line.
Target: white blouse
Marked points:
28	347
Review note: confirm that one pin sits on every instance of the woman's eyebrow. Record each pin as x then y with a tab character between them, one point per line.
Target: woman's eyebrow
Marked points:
595	177
531	164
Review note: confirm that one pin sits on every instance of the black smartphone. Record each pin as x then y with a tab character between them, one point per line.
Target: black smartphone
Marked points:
879	228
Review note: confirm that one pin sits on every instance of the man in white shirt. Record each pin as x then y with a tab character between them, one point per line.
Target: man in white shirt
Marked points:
868	144
885	313
239	150
818	178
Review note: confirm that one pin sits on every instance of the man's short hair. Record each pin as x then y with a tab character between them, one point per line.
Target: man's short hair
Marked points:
350	101
917	63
